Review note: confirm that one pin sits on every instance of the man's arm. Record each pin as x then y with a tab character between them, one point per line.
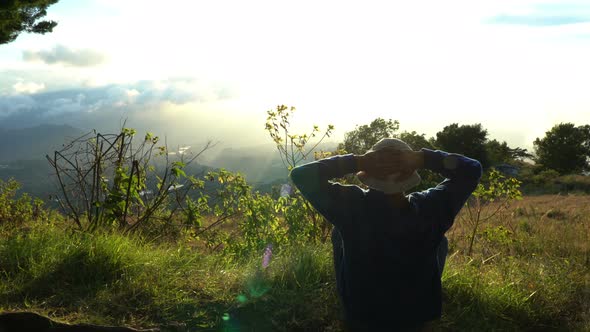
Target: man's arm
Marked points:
330	199
447	198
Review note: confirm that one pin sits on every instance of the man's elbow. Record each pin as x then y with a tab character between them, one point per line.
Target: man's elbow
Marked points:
472	174
296	176
477	170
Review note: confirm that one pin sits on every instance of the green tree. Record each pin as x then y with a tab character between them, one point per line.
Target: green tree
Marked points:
18	16
468	140
565	148
362	138
501	153
416	141
586	132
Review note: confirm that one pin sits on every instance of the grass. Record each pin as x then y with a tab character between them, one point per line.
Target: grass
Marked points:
529	271
113	279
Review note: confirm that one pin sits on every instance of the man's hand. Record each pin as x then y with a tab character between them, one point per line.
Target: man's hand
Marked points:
387	161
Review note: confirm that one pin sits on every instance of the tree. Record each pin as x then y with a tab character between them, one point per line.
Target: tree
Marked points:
362	138
565	148
416	141
499	153
586	132
18	16
468	140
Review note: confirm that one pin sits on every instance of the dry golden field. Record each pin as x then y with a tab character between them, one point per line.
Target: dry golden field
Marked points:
529	268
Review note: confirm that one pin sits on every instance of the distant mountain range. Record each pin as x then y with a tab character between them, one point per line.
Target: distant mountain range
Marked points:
34	142
22	156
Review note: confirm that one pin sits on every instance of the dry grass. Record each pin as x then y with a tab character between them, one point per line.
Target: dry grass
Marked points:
530	267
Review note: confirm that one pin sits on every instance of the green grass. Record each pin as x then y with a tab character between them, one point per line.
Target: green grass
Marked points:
533	277
114	279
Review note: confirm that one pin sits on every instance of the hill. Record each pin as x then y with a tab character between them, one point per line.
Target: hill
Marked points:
34	142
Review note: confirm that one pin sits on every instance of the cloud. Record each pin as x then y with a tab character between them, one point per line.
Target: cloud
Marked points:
28	87
146	103
537	20
539	14
63	55
11	105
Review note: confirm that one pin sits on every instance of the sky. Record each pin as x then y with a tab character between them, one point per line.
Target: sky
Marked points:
198	70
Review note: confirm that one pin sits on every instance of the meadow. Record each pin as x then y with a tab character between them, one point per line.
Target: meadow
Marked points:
529	271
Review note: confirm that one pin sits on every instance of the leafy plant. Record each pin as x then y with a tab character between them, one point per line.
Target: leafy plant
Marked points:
12	209
222	204
259	226
293	149
490	197
16	210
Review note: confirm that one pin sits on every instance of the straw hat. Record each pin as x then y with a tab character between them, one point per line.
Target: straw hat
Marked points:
390	185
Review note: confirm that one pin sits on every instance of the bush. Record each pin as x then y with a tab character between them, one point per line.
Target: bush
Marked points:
108	180
16	210
491	197
574	183
545	177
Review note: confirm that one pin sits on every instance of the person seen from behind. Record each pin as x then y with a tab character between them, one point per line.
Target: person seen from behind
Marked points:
389	248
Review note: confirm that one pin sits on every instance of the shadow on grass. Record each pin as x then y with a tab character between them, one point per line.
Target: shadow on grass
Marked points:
76	278
464	311
285	309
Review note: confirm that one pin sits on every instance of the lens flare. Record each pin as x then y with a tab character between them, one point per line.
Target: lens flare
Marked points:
266	256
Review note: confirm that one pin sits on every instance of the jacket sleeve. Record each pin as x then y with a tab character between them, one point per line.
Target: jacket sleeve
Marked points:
332	200
444	201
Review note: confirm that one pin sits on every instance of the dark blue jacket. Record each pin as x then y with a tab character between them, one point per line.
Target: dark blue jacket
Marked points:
389	275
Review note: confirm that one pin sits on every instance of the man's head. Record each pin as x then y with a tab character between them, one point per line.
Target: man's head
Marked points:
389	183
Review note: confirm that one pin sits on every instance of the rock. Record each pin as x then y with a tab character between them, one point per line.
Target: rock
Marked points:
30	321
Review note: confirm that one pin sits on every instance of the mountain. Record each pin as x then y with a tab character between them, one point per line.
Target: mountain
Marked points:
35	142
22	157
260	164
35	176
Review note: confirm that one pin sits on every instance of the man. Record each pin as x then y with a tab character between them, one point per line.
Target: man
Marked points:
389	248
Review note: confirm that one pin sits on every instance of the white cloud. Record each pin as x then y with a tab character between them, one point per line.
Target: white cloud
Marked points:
28	87
61	54
109	101
12	104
